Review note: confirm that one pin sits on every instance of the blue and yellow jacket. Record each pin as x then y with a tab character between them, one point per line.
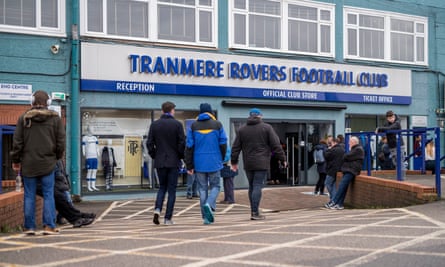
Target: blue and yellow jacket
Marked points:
206	144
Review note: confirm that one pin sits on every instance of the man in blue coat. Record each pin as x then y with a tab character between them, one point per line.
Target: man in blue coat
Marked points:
166	144
205	150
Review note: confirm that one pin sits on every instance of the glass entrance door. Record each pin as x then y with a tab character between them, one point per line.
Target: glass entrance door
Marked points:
299	139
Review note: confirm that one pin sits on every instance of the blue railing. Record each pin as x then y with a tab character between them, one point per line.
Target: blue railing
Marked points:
366	138
4	129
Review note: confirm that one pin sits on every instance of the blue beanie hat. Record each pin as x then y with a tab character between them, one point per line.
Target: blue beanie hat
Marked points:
255	112
205	107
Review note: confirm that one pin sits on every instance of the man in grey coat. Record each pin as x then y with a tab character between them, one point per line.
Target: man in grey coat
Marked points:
257	140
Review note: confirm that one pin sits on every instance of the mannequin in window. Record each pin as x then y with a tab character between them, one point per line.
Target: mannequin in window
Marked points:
108	162
90	151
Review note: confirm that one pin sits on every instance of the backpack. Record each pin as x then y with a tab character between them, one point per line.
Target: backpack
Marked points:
318	156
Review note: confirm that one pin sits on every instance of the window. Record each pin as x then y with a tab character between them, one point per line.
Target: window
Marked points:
384	36
283	26
41	17
171	21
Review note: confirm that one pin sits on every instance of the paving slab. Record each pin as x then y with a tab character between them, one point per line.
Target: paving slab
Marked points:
297	232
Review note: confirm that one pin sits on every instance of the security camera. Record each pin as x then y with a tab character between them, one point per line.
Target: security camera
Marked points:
55	49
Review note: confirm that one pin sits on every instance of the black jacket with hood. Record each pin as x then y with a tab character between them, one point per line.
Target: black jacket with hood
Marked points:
392	138
257	140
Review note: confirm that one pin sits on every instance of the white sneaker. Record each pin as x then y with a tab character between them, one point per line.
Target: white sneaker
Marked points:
329	204
337	207
168	222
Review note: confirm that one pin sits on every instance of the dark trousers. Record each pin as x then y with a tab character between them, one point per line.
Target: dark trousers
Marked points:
65	208
320	183
229	194
256	183
168	180
108	172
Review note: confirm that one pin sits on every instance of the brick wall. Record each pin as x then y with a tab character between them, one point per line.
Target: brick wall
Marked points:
10	113
372	192
11	210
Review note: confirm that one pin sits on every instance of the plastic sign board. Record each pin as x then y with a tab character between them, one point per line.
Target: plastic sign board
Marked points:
58	96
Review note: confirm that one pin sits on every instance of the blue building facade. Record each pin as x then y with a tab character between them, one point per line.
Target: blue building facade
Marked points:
315	68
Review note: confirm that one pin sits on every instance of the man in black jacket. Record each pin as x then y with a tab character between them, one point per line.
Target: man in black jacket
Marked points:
166	145
62	198
352	165
256	140
334	160
392	123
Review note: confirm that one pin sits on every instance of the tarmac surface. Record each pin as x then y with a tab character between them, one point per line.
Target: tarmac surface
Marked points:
297	232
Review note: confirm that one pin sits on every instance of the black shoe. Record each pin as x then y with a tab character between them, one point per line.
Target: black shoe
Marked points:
78	223
255	217
87	221
61	221
88	215
82	222
156	216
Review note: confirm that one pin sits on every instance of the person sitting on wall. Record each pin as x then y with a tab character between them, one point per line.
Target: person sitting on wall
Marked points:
63	201
384	156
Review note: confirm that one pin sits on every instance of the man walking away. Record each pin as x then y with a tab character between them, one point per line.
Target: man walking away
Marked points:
205	150
166	144
256	140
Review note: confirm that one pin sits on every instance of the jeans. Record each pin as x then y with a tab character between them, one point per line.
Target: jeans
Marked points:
331	186
208	181
256	183
339	197
49	207
168	180
192	185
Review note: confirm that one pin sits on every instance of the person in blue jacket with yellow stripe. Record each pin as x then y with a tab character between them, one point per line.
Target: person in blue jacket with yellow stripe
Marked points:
206	146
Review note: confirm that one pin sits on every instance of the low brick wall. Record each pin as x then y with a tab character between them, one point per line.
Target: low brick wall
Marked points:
11	209
373	192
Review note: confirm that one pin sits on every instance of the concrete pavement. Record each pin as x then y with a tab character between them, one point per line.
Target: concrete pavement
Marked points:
124	235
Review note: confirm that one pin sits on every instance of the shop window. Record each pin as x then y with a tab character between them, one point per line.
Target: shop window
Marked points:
125	131
381	36
284	26
41	17
173	21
